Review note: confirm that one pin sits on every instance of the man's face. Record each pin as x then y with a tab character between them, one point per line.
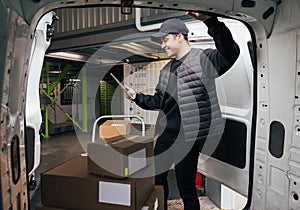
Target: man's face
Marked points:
170	43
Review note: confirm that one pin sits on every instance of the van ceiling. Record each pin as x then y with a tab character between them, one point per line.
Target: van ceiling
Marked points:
102	34
251	11
81	32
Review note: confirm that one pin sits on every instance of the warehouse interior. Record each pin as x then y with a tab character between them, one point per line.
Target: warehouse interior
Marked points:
76	88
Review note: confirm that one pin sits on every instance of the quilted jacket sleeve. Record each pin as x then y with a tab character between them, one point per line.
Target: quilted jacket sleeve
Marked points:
216	62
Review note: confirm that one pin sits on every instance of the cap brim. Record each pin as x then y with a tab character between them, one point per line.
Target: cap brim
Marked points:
157	36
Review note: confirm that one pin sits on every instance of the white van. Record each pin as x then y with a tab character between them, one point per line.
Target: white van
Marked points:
259	154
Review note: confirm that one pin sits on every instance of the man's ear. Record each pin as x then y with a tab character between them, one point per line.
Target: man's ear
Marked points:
181	37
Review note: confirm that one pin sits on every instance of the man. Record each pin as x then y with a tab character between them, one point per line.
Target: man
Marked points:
187	100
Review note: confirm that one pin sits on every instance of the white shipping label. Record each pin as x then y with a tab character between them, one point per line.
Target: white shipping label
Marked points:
137	161
115	193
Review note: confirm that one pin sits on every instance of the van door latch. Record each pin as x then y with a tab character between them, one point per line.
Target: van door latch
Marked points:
127	7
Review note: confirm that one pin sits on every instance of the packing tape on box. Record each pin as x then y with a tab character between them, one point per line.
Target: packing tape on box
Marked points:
126	171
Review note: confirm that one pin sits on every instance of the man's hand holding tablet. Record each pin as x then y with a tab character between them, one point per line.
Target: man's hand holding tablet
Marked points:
129	93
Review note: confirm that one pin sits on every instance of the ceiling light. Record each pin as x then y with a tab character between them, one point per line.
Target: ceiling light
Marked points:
67	56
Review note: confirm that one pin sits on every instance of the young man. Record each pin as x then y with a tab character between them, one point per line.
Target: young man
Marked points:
187	100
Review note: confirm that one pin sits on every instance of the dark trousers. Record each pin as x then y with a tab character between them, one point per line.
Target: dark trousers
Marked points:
185	157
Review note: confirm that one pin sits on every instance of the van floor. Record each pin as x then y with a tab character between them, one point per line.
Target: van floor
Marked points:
63	146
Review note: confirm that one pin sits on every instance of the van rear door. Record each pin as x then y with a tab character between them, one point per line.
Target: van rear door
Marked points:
227	159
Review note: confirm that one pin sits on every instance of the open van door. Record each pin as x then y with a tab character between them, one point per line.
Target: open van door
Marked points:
14	57
41	41
227	159
20	107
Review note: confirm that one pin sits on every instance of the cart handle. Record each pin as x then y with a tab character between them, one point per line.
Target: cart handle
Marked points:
117	116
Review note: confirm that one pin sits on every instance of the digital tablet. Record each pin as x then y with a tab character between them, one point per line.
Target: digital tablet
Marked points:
122	86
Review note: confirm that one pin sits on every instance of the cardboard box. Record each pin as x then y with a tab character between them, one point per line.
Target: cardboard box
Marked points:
154	202
120	159
70	186
114	128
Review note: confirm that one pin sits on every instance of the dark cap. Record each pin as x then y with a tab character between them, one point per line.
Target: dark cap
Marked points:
171	26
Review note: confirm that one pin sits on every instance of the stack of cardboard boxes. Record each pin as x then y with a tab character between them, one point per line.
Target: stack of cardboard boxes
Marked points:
114	176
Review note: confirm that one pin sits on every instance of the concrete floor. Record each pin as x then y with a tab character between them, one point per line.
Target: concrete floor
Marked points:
61	147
